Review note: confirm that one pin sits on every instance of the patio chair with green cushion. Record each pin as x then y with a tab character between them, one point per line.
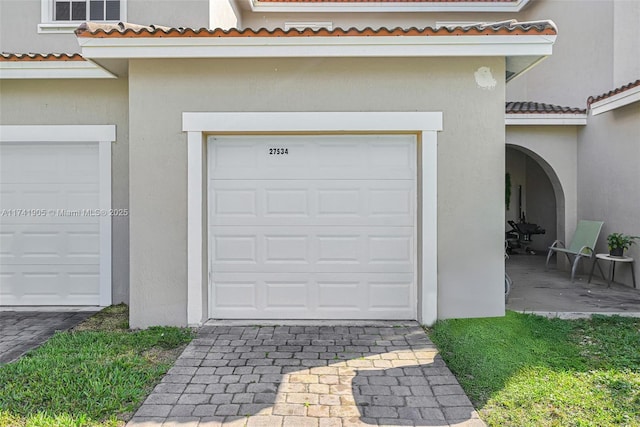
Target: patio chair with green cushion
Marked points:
582	245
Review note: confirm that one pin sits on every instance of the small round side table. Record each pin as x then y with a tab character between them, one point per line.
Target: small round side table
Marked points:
612	267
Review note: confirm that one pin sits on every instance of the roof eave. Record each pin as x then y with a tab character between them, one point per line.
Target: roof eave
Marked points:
552	119
385	7
534	46
53	69
615	101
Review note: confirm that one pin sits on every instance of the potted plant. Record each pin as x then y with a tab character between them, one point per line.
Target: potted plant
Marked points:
619	242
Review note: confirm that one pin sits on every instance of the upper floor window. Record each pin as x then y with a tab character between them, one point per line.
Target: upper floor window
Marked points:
64	16
86	10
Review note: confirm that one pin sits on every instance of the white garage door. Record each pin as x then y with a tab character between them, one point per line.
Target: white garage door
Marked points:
312	227
49	252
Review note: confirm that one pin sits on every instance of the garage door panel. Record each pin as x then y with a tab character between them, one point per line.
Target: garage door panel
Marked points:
287	248
313	249
234	203
342	249
390	249
341	295
48	244
388	295
234	249
49	203
312	202
234	293
49	285
313	296
393	155
286	202
290	295
345	202
319	157
391	203
48	163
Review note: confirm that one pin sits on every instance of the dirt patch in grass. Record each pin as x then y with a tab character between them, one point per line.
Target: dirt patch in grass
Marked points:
113	318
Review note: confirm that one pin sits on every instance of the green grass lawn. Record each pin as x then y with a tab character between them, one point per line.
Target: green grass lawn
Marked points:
526	370
95	375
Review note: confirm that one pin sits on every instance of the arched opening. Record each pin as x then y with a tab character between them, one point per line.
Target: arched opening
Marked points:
536	194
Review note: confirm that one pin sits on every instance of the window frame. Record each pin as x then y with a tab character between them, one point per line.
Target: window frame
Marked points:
48	25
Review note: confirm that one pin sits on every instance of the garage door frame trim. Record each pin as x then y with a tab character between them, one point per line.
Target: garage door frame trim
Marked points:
199	125
103	135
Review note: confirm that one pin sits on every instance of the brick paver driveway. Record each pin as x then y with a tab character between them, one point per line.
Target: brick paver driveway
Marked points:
21	331
301	376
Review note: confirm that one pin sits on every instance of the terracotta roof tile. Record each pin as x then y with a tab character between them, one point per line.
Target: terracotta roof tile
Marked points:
127	30
540	108
615	91
5	57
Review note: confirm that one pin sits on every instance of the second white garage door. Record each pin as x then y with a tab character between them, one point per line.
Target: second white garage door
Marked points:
312	227
49	253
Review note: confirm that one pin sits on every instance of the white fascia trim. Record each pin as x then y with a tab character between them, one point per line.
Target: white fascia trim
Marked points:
53	70
429	244
103	135
299	47
197	305
386	7
314	25
57	133
312	122
545	119
62	27
616	101
104	176
424	124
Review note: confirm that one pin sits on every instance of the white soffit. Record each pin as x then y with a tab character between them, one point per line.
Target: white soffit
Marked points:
53	70
532	46
616	101
385	6
545	119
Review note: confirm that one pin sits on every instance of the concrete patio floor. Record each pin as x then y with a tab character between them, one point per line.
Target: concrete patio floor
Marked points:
551	292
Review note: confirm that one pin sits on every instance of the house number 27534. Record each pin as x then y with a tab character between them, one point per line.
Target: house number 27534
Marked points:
278	151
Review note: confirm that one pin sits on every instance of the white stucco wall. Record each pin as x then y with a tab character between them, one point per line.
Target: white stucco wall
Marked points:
19	21
223	14
82	102
582	55
470	158
581	64
626	47
174	13
609	176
